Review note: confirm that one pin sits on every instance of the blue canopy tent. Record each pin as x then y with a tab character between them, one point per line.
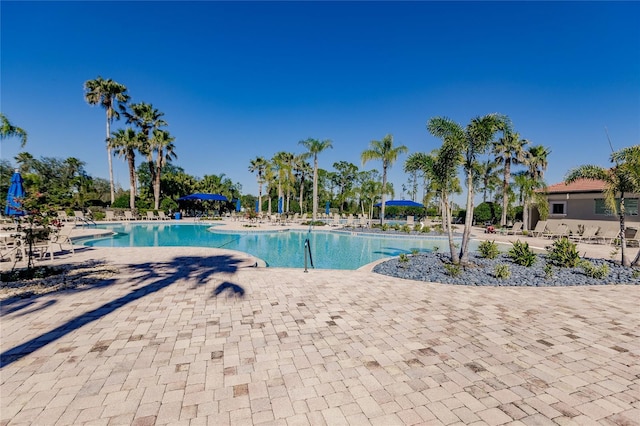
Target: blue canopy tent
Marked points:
204	197
400	203
14	196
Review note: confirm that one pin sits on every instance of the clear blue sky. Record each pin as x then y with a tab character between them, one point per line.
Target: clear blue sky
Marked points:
238	80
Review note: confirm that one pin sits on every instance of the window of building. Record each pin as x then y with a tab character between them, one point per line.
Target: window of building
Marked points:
630	207
558	208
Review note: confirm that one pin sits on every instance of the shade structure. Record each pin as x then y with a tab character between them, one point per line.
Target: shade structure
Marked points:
280	209
238	205
15	194
203	197
327	207
400	203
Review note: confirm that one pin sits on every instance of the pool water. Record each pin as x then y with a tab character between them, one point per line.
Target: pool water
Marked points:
330	249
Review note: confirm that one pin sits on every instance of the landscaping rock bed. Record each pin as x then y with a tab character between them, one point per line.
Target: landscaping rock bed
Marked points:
430	267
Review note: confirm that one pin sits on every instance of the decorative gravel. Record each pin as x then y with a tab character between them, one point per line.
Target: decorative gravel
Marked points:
430	267
70	277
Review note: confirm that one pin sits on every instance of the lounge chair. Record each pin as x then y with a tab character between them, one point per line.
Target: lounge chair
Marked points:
633	240
162	215
151	215
128	215
410	220
515	229
79	216
541	226
608	235
588	234
62	236
561	230
109	215
12	244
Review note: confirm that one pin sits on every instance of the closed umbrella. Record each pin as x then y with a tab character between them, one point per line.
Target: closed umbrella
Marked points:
280	205
238	205
15	196
257	206
327	208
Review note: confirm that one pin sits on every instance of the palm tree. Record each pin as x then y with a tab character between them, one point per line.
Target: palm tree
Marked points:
162	144
258	166
414	165
469	142
315	147
383	150
301	170
8	130
488	175
107	93
536	161
509	150
618	180
125	143
148	119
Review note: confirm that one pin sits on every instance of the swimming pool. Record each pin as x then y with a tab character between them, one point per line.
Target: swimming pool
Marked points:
330	249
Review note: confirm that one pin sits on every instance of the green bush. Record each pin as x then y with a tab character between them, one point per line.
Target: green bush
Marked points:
488	249
403	258
521	254
121	202
453	269
563	253
414	252
406	228
487	212
548	271
502	271
593	271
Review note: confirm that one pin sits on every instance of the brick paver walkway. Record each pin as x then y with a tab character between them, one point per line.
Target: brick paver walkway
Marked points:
157	345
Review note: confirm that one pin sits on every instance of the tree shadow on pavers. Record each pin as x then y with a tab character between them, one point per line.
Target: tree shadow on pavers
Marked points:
233	289
147	278
77	278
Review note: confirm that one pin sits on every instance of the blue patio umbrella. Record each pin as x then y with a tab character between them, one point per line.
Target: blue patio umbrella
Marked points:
257	206
280	205
204	197
15	196
400	203
238	205
327	207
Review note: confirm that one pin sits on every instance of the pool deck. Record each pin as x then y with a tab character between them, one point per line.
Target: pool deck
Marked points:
192	336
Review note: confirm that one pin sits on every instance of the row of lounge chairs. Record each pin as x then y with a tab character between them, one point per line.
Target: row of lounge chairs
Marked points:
589	234
14	246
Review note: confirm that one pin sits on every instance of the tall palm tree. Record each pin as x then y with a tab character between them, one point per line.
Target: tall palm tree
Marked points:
618	181
383	150
469	142
8	130
537	160
258	166
315	147
509	150
148	119
108	94
301	170
162	144
488	175
125	142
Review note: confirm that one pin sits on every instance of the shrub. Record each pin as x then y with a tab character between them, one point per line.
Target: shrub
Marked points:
593	271
521	254
636	274
563	253
453	269
414	252
487	212
502	271
403	258
548	271
406	228
488	249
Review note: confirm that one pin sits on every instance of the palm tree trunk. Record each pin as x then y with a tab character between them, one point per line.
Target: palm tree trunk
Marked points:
111	184
132	180
464	246
525	215
156	182
446	226
384	187
301	194
259	197
315	188
505	191
623	240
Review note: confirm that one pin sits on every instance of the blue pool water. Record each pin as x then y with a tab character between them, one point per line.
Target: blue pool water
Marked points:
330	249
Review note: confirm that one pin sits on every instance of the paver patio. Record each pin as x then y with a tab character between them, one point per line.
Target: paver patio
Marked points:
155	344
